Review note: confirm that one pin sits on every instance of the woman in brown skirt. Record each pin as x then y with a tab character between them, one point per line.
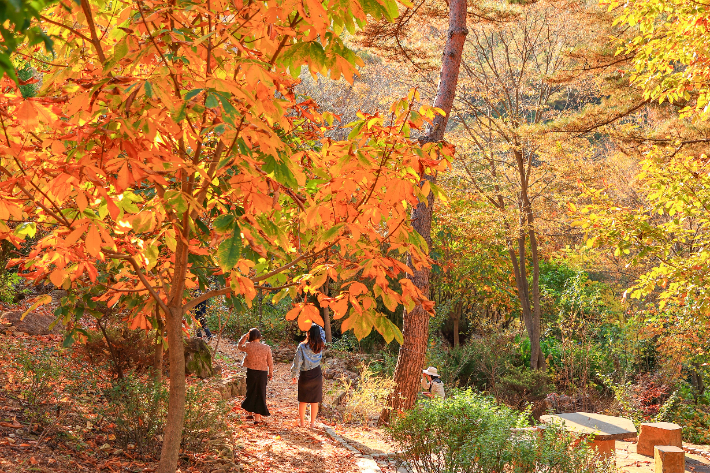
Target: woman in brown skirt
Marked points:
306	370
260	366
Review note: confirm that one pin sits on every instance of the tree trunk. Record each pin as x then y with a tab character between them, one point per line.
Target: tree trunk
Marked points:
530	308
172	436
415	330
536	315
158	355
325	314
457	319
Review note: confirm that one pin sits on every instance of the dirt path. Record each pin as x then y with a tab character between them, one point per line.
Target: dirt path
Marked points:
280	445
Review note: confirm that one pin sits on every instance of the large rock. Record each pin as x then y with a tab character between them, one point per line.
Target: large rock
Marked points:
337	368
32	324
198	358
283	354
234	386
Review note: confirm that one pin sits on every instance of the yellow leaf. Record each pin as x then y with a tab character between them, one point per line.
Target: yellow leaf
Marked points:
41	300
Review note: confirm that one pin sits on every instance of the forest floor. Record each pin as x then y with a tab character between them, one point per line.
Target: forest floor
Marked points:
278	445
66	442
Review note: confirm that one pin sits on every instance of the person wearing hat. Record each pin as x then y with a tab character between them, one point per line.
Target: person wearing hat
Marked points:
432	384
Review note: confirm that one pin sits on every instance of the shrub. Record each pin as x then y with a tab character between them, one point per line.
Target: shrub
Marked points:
205	412
40	373
369	398
137	409
470	433
129	350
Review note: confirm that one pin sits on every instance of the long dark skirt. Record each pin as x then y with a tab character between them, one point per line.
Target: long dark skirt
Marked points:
310	386
255	401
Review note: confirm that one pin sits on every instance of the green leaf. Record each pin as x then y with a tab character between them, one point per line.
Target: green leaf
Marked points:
388	330
279	171
362	325
332	231
224	223
356	130
193	93
211	101
229	251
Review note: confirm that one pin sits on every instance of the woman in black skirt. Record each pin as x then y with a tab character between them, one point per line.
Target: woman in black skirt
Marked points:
306	370
260	367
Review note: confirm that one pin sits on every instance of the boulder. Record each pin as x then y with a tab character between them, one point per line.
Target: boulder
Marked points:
339	373
33	323
283	354
198	358
234	386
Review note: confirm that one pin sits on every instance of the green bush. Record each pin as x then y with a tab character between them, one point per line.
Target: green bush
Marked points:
471	433
138	409
205	413
39	372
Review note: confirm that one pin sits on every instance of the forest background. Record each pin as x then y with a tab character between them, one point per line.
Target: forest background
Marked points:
569	230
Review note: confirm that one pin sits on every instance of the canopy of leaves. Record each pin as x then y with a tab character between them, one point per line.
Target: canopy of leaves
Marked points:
166	147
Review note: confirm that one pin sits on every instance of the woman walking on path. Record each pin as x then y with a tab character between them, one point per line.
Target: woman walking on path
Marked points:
306	369
259	365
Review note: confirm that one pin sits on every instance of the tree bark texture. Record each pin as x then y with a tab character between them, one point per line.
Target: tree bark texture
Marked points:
415	330
172	436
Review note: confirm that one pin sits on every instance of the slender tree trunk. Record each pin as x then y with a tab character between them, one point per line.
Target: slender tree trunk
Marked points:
457	319
325	314
172	436
536	315
158	355
415	331
114	355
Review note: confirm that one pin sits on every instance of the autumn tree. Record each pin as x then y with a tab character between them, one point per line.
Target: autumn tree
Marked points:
665	225
506	91
167	146
470	276
416	319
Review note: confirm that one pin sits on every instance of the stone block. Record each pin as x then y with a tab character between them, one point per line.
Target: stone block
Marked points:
658	433
669	459
606	448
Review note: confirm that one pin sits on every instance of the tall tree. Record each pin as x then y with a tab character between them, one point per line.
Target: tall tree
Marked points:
415	330
167	146
505	92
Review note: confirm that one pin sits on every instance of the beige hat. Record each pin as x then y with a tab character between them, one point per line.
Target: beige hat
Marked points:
431	371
